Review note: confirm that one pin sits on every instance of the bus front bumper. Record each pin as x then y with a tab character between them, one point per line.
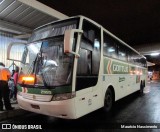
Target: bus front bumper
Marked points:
61	109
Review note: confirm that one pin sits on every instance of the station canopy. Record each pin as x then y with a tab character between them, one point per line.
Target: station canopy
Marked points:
22	16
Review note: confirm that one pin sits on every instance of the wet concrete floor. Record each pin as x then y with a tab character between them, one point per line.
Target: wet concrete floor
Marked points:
132	110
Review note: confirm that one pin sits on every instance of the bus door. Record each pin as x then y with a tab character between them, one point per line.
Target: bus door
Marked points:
87	92
83	83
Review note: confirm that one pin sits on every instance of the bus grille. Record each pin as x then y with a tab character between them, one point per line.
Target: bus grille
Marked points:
43	98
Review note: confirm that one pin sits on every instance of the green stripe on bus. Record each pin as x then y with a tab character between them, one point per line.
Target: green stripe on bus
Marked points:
114	67
45	91
121	79
19	88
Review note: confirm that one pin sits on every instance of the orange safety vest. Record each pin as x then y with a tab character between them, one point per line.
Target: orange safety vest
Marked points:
4	74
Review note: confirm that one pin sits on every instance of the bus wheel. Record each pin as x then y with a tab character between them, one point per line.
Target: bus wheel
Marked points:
141	88
108	102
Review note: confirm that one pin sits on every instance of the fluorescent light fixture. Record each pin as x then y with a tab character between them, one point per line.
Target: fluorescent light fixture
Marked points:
122	54
111	50
154	54
1	1
96	44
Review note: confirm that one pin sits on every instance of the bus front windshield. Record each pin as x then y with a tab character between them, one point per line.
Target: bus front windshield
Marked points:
47	63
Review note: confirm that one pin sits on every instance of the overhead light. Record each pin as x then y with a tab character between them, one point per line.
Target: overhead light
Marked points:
1	1
154	54
111	50
96	43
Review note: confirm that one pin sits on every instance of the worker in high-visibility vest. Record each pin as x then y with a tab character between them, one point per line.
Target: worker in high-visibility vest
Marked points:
4	89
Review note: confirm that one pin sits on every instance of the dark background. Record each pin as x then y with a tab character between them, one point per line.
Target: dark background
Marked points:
136	22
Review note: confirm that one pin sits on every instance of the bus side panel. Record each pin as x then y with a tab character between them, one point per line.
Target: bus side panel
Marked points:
123	77
88	100
116	75
97	95
83	102
113	81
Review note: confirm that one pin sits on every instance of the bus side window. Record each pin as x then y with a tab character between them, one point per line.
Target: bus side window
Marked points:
143	62
109	46
84	63
122	53
131	56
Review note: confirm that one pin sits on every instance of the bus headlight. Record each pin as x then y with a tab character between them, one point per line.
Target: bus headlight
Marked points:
26	79
64	96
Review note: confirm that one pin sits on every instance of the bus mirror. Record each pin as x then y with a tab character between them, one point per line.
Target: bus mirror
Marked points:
10	55
68	40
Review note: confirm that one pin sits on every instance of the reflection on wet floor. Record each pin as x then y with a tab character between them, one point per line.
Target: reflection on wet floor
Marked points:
135	108
147	89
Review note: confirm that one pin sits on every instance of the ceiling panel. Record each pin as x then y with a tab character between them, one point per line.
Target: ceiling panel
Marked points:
10	9
28	16
36	19
4	4
23	14
15	12
47	20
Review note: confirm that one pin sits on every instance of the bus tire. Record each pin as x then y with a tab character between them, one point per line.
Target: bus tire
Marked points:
141	88
108	101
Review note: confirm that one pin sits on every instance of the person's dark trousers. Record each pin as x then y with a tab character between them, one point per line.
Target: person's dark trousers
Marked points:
1	103
15	92
11	94
4	93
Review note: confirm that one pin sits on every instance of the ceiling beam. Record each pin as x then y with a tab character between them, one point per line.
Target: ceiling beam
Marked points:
13	28
150	63
147	49
149	52
45	9
23	36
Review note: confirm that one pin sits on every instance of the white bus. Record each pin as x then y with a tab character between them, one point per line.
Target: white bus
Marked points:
72	67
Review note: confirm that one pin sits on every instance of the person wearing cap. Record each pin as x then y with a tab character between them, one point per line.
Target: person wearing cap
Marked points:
4	89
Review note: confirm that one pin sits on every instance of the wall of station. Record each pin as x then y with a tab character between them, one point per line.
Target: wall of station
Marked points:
5	39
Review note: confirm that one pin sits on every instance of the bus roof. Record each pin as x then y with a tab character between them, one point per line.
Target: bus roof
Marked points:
108	32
